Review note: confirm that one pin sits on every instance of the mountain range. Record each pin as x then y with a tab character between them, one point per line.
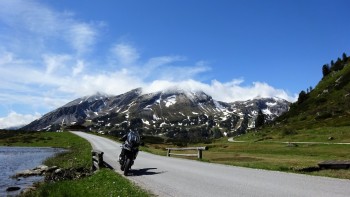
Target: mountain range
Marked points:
172	113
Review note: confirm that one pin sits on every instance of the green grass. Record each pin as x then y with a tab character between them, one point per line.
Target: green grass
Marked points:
104	183
78	155
339	135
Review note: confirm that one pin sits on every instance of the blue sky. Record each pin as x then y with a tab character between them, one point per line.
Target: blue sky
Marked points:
52	52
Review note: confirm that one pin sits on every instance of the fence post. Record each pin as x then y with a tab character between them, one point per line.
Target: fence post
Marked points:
199	154
100	160
97	159
168	153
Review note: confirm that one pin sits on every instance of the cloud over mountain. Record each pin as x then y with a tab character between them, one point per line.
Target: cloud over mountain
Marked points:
48	57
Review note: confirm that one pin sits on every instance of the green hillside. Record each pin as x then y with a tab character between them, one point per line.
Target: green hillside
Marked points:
320	113
328	104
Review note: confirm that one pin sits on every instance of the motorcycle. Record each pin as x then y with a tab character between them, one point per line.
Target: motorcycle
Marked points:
129	152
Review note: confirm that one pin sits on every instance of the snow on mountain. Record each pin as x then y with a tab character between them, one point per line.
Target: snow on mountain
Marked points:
171	113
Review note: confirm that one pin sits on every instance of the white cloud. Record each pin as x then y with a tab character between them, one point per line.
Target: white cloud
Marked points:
125	54
29	15
180	73
55	62
35	75
110	83
227	92
79	67
68	79
82	36
14	119
6	58
38	27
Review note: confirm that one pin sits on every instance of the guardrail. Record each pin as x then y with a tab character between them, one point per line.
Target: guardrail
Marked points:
199	153
97	160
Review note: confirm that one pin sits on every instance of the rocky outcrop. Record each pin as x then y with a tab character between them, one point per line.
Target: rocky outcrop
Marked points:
13	188
67	174
37	171
52	174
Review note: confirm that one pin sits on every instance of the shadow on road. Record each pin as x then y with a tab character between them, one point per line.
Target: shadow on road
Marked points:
107	165
145	171
138	172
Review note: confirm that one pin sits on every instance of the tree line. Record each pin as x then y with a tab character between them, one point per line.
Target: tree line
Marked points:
338	65
335	66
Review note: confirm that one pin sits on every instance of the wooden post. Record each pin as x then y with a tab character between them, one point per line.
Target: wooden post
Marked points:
100	160
97	159
93	161
168	153
199	153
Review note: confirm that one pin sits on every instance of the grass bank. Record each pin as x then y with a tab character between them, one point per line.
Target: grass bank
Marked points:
103	183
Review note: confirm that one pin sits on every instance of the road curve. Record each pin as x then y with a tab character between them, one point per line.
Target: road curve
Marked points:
166	176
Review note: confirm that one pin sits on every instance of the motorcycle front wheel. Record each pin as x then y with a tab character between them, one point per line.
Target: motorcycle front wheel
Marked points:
127	166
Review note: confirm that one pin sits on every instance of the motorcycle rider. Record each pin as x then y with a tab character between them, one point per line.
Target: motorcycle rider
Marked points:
132	137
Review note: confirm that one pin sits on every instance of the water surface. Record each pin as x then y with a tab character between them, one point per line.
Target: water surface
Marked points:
15	159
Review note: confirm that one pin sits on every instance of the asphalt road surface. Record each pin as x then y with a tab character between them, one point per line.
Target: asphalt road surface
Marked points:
168	176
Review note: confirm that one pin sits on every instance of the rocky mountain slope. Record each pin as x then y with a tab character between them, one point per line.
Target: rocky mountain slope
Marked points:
171	113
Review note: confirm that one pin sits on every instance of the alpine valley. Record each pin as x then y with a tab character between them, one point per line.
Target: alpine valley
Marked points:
172	113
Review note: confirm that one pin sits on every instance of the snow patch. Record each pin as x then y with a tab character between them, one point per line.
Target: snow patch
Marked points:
155	117
271	104
145	122
266	111
219	106
171	100
162	124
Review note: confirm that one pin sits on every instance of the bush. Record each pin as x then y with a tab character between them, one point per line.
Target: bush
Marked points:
323	115
288	131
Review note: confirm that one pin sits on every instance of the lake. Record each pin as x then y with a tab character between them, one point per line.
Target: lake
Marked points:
15	159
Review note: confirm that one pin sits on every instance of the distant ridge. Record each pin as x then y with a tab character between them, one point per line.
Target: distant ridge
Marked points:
172	113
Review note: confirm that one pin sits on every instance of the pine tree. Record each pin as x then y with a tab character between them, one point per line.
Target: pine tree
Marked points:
310	88
326	70
302	97
345	58
338	65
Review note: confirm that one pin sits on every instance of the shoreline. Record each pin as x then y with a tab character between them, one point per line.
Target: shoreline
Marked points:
19	159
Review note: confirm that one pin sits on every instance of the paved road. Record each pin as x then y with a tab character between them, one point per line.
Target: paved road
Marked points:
165	176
